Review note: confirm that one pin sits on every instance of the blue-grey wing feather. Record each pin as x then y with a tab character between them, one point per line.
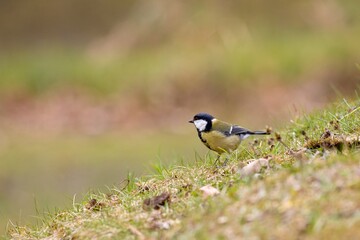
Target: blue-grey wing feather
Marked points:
237	130
243	132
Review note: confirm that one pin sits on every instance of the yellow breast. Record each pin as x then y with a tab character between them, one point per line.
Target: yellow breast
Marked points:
220	143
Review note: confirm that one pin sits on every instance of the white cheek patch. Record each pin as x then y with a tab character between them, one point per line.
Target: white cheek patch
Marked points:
200	124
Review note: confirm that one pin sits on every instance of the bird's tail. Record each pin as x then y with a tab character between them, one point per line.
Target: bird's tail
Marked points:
248	133
258	133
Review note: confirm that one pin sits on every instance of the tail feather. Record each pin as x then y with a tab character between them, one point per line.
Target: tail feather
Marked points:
259	133
248	133
244	133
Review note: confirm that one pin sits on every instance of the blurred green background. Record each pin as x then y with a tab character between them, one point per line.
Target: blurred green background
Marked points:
92	90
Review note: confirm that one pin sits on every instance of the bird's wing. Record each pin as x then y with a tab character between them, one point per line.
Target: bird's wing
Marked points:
229	129
241	132
221	126
237	130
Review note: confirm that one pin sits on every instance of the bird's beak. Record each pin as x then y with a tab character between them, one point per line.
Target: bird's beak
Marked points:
191	121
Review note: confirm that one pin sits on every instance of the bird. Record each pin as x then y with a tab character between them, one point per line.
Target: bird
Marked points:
219	136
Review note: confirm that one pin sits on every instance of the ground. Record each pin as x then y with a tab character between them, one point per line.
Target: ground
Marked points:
301	182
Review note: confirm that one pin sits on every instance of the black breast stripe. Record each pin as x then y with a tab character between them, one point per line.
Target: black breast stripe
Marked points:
203	140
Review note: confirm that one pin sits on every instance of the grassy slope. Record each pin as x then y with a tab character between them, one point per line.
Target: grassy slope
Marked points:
308	192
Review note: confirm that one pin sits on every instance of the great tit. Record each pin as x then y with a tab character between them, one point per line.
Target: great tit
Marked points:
220	136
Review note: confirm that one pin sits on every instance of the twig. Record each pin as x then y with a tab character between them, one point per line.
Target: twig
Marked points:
136	232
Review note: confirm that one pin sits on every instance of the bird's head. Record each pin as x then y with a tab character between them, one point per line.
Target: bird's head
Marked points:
202	122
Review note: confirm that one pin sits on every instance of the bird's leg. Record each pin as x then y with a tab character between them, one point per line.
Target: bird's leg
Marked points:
225	162
217	159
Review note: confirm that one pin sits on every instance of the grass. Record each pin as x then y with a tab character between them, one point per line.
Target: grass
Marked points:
297	192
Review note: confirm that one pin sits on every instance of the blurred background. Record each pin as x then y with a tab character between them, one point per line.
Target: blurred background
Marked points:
92	90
